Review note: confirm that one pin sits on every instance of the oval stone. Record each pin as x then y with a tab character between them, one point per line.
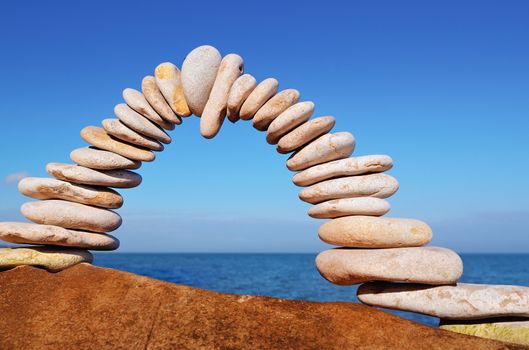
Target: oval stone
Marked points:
27	233
375	232
169	81
427	265
373	185
239	92
86	176
51	259
140	124
138	103
292	117
274	107
305	133
119	130
324	149
99	138
71	215
102	160
258	97
157	101
350	206
43	188
199	71
231	67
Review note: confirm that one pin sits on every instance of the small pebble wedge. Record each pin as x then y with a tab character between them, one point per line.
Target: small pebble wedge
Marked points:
155	98
375	232
46	188
288	120
27	233
138	103
139	123
239	92
324	149
119	130
71	215
94	158
87	176
199	71
231	67
258	97
373	185
343	167
350	206
426	265
460	302
274	107
169	81
305	133
51	259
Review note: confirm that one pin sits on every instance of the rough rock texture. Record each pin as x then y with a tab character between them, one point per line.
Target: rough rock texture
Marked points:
86	307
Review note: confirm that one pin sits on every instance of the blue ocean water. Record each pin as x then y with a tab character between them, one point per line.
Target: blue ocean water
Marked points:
291	276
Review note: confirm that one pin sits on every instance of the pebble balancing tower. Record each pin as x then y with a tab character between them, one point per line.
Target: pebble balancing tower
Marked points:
388	255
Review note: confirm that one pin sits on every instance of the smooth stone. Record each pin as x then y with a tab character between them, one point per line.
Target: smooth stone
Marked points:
86	176
52	259
99	138
274	107
27	233
157	101
138	103
119	130
139	123
460	302
169	81
343	167
71	215
45	188
258	97
375	232
508	330
199	71
349	206
324	149
305	133
372	185
239	92
231	67
291	118
427	265
94	158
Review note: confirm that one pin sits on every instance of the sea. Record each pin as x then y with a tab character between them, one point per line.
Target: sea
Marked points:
291	276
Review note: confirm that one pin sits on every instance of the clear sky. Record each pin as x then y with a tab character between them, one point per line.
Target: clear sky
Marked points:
441	86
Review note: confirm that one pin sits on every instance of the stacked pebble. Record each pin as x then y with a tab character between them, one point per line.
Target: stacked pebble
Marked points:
75	207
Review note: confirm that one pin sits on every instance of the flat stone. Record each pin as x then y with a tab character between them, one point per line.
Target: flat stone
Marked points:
99	138
94	158
27	233
157	101
324	149
71	215
140	124
274	107
258	97
288	120
460	302
199	71
372	185
427	265
508	330
239	92
119	130
45	188
343	167
169	81
231	67
349	206
86	176
305	133
375	232
52	259
138	103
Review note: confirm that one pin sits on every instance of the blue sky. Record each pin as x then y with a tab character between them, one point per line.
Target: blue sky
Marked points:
440	86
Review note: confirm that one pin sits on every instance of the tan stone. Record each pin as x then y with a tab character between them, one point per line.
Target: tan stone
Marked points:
157	101
288	120
274	107
239	92
45	188
139	123
138	103
258	97
350	206
507	330
120	131
27	233
427	265
169	81
52	259
305	133
94	158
